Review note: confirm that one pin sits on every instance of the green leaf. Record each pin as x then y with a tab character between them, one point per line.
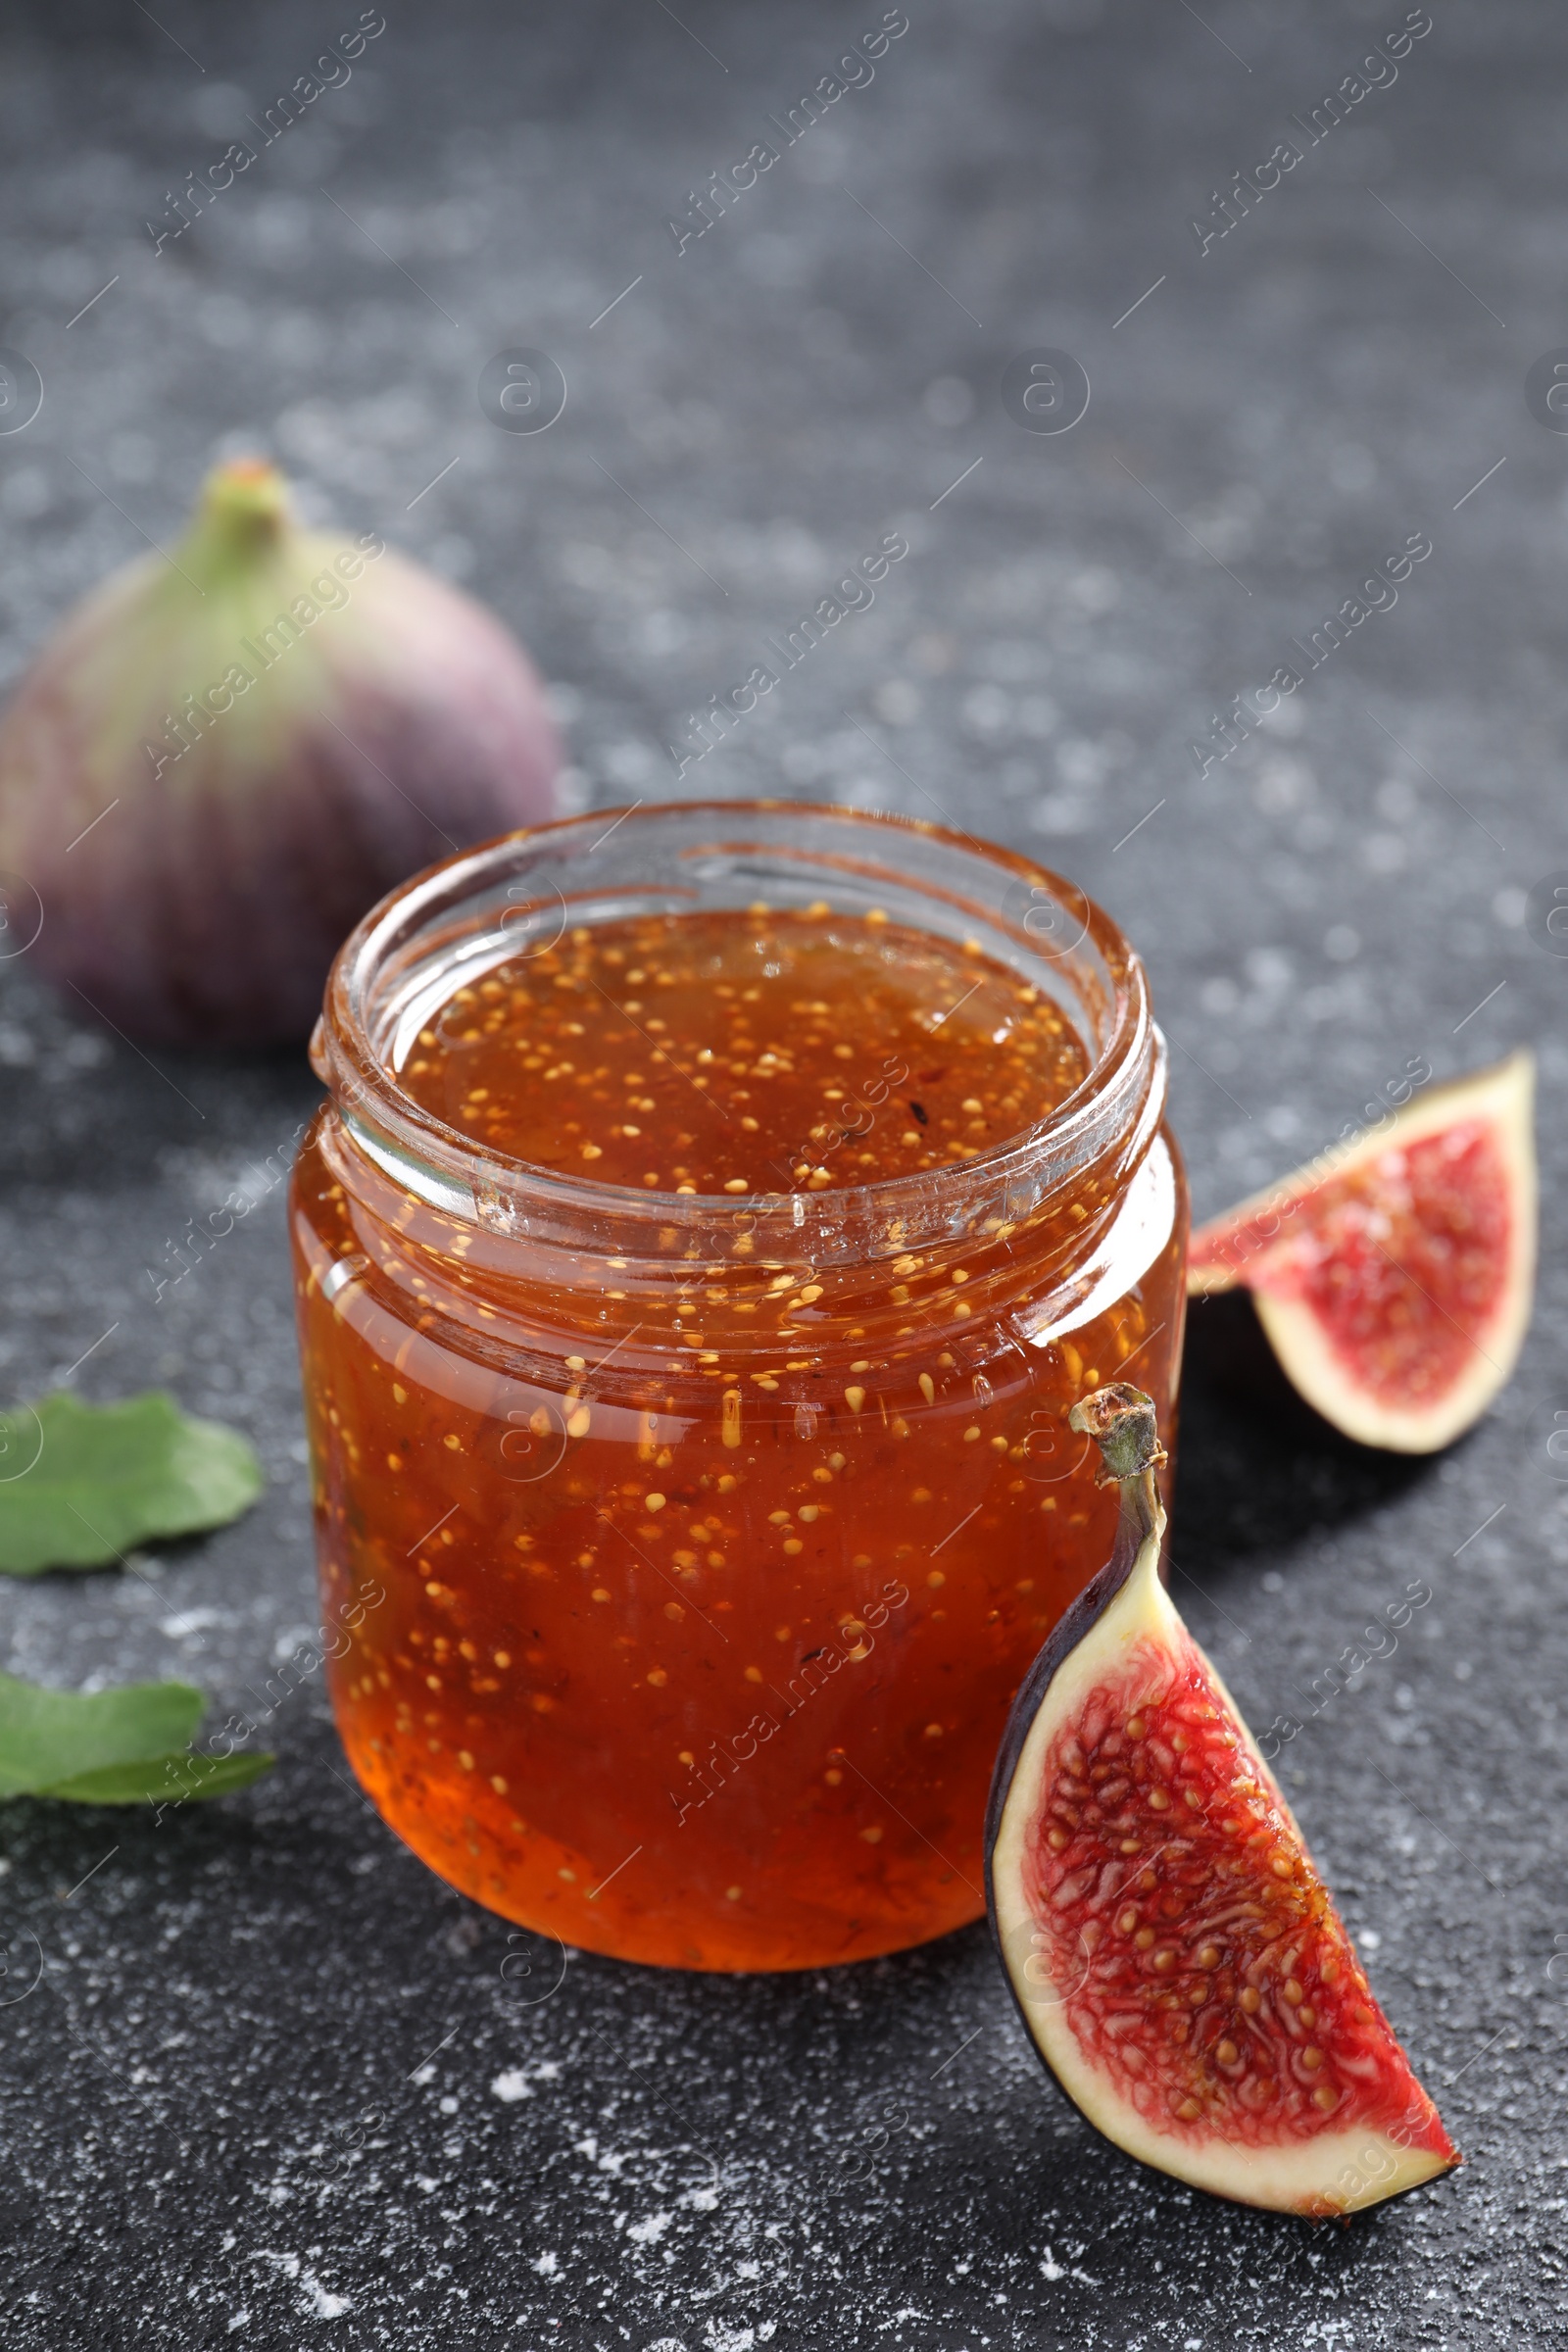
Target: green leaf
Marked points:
51	1735
95	1479
112	1748
170	1780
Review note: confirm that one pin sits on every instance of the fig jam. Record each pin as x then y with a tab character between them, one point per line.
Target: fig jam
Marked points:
743	1051
708	1457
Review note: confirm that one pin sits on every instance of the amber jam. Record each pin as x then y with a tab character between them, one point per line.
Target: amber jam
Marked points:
714	1220
743	1049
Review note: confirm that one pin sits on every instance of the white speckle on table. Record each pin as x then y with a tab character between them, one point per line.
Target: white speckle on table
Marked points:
649	2231
193	1621
319	2302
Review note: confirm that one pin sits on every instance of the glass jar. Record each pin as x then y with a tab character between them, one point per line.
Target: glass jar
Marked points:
697	1650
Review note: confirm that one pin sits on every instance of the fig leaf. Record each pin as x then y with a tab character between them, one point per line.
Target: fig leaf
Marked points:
175	1777
111	1748
80	1483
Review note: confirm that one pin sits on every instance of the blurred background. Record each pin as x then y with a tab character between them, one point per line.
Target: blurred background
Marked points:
1286	384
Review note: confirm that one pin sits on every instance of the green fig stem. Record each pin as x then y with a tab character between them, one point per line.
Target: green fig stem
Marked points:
241	516
1122	1422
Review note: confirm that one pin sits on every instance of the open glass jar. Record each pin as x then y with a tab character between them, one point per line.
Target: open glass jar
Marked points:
682	1622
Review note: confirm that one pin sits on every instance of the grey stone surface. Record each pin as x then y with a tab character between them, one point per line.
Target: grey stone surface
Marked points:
273	2086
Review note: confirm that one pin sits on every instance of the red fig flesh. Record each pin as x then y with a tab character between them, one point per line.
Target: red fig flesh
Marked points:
1394	1279
263	735
1172	1949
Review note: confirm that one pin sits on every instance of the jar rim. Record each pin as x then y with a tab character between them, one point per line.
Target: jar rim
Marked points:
1033	919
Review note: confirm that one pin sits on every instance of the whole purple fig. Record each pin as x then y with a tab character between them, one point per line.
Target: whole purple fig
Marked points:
219	762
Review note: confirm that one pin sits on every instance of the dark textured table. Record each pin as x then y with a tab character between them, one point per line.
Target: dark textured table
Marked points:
276	2084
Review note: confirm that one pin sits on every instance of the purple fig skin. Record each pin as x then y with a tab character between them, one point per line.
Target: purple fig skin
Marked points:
401	723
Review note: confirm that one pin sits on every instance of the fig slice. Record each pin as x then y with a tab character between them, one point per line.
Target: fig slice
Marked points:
1173	1952
1393	1278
